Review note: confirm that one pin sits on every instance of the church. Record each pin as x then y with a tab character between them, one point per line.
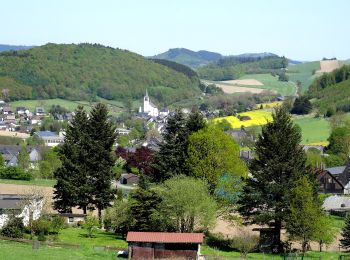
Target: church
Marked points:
148	107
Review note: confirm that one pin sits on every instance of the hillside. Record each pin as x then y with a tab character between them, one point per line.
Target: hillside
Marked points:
304	72
332	90
85	71
6	47
189	58
234	67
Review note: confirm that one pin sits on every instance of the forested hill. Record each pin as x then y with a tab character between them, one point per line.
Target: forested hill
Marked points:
189	58
84	71
233	67
332	91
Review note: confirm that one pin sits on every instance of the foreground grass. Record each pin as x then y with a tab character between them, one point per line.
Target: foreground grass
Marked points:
34	182
15	250
206	250
100	238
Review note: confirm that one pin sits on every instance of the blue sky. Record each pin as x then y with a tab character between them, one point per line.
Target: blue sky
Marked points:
299	29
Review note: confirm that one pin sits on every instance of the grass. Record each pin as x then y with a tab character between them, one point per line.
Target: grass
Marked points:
272	83
303	73
314	130
14	250
34	182
206	250
101	238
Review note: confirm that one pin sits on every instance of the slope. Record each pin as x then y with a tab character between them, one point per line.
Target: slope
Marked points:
189	58
85	71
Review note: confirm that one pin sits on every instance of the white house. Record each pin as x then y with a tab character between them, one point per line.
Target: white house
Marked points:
51	138
20	206
148	107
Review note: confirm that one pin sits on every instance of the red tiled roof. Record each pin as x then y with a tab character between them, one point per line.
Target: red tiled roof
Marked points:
163	237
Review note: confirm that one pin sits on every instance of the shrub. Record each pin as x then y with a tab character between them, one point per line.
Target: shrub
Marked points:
56	224
14	173
41	228
245	243
90	224
13	228
219	241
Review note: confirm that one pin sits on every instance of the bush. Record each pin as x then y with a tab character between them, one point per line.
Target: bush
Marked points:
13	228
41	228
14	173
219	241
245	243
56	224
90	224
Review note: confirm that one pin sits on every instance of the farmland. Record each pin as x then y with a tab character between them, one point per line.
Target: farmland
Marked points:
256	83
304	73
314	130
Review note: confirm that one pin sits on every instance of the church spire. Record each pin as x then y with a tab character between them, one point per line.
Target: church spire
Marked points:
146	93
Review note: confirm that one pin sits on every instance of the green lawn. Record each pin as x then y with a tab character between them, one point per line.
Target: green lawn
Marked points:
272	83
101	238
34	182
206	250
14	251
314	130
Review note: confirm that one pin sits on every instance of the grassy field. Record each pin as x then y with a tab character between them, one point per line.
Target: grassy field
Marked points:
314	130
14	251
303	73
114	106
34	182
272	83
101	238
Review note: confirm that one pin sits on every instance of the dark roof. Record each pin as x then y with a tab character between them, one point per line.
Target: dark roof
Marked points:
344	177
20	108
46	134
7	109
163	237
130	175
10	201
336	170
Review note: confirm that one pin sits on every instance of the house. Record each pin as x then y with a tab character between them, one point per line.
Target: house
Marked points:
129	179
328	182
20	206
164	112
10	153
148	108
123	131
51	138
7	111
162	245
10	119
21	110
72	219
39	111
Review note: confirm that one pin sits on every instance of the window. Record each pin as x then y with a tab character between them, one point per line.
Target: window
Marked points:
70	219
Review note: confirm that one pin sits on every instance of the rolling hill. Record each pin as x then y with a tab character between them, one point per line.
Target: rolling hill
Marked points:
189	58
88	71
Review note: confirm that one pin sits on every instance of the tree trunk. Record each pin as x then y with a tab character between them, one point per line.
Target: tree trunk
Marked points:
99	215
277	236
84	209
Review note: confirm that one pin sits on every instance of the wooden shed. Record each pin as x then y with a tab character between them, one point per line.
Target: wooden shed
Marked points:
162	245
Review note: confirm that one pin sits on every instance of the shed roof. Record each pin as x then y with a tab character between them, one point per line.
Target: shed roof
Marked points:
163	237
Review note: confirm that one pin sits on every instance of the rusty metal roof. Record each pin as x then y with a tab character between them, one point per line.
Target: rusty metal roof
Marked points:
163	237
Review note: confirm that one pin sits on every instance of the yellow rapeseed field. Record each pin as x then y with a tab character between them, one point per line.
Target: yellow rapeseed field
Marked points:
257	117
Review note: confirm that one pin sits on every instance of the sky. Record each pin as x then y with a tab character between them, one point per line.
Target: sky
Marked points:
299	29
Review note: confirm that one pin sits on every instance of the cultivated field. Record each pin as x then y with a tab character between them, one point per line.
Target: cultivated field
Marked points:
244	82
230	89
13	134
257	117
328	66
304	73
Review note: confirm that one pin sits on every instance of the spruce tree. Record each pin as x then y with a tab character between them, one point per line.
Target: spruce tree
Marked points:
279	162
345	241
72	188
172	155
102	136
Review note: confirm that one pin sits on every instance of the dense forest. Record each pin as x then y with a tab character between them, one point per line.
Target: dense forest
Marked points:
234	67
193	59
332	90
85	71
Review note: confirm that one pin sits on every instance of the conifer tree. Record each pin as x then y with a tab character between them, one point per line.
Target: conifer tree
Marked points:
345	241
102	136
279	162
23	158
172	155
72	188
